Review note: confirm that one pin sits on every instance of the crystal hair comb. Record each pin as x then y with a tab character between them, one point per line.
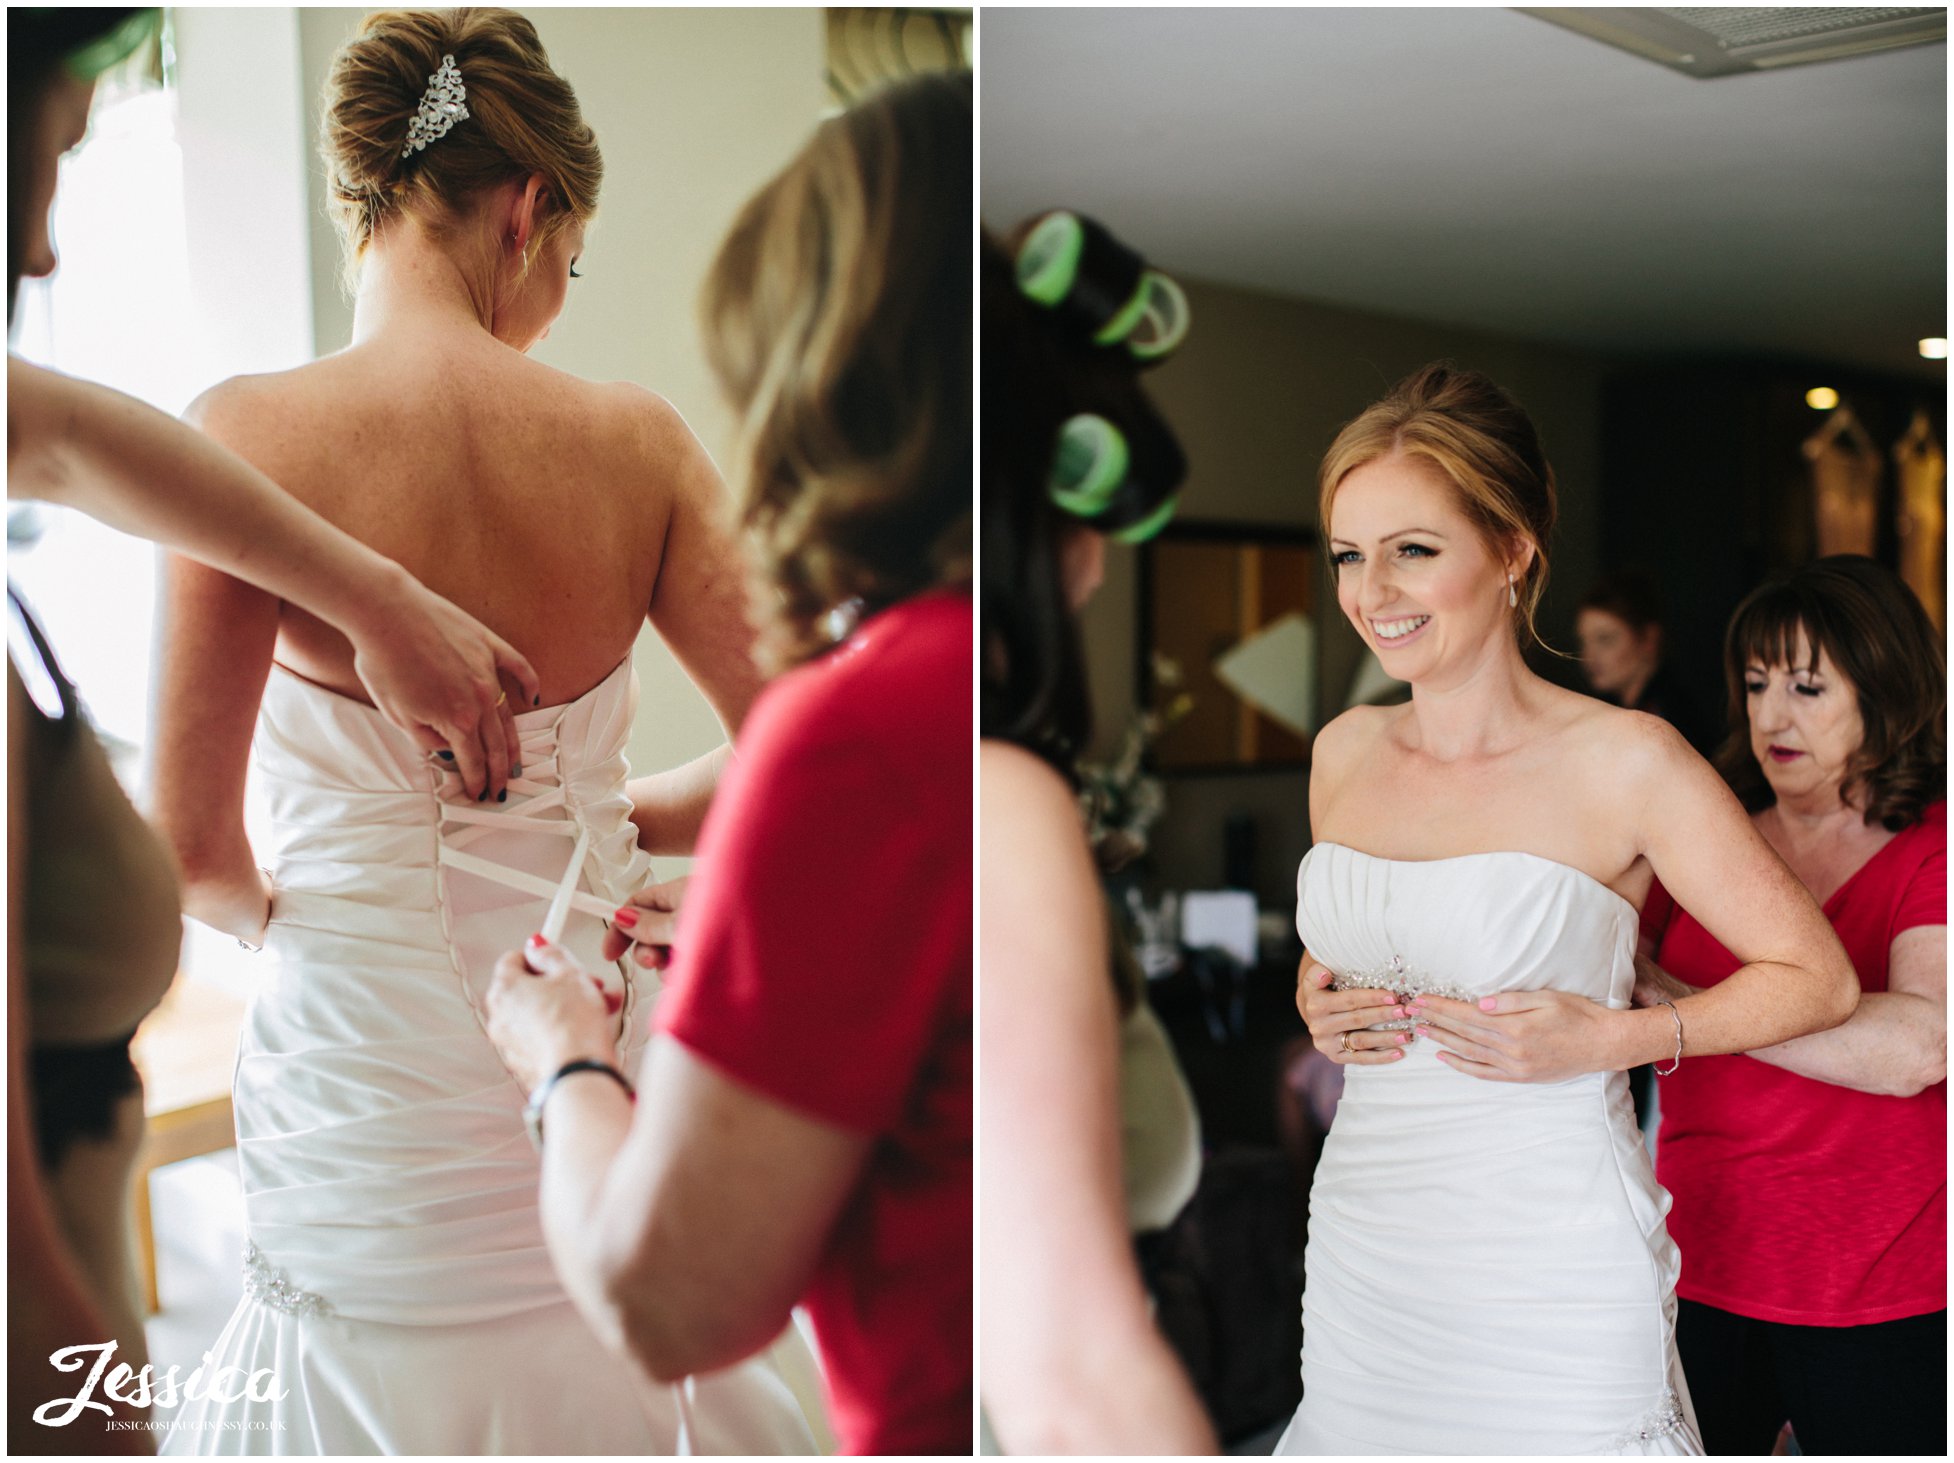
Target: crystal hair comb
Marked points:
444	104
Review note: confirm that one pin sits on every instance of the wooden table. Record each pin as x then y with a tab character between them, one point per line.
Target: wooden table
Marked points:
185	1052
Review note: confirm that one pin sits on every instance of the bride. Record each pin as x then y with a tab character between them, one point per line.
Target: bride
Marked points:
1488	1270
397	1283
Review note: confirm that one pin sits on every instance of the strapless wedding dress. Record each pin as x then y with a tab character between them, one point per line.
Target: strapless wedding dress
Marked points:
397	1287
1487	1271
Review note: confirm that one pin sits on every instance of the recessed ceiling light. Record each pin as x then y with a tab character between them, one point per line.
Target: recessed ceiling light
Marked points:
1934	347
1821	398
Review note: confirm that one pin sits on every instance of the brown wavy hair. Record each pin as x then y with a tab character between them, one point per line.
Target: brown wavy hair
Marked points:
523	118
1874	630
837	320
1482	440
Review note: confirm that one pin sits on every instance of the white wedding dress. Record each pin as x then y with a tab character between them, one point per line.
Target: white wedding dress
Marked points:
397	1286
1488	1271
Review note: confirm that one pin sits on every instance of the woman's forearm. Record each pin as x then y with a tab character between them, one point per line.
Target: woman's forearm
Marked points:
585	1125
1895	1045
670	807
138	470
1127	1397
1765	1003
232	897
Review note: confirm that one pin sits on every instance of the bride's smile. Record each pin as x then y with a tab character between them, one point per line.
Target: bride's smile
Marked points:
1415	575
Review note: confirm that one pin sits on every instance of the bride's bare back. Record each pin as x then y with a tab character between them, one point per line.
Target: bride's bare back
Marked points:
559	511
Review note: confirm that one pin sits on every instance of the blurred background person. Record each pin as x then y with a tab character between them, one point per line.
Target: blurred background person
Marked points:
1074	455
1810	1177
1619	627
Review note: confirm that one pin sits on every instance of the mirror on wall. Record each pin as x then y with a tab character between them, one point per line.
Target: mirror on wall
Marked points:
1228	663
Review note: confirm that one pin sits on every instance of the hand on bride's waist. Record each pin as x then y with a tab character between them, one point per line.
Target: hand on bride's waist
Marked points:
1340	1022
544	1009
1515	1036
1523	1036
236	901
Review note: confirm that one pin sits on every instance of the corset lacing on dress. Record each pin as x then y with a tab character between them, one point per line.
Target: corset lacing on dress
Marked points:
548	811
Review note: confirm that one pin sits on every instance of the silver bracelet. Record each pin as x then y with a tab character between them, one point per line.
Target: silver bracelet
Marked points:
1677	1060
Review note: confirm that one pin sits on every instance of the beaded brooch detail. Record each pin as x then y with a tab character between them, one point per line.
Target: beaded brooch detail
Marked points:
265	1283
1398	977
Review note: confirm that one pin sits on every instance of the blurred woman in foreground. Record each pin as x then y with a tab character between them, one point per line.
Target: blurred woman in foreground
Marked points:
803	1123
1074	455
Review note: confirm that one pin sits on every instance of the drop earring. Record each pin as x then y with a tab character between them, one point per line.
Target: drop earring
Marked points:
1512	594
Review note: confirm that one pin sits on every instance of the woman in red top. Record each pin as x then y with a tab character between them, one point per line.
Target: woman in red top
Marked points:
1810	1178
804	1133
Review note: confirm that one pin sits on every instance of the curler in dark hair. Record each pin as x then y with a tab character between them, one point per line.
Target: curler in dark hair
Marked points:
1040	370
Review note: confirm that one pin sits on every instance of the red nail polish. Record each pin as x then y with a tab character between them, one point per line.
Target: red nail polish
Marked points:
537	942
626	918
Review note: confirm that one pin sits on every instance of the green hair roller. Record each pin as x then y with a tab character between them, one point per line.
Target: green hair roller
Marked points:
1089	465
1049	260
1146	528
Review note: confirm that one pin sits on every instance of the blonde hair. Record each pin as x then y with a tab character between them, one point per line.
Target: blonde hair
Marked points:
523	118
837	320
1484	443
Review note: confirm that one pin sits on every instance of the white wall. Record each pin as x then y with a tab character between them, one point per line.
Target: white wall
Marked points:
694	110
244	191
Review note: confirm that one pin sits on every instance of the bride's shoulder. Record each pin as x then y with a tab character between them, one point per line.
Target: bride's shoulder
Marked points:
255	415
1635	743
1349	737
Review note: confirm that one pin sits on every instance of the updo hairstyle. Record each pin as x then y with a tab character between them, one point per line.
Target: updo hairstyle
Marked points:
1484	443
523	118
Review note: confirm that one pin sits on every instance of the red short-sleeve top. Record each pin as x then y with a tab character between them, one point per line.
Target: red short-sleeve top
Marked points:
824	959
1797	1200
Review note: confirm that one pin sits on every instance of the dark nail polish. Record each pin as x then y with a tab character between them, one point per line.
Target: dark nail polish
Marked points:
484	797
535	700
447	756
516	771
503	796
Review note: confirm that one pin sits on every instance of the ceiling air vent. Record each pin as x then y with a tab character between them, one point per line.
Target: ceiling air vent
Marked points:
1725	41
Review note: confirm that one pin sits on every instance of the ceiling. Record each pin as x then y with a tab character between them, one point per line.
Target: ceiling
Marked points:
1485	168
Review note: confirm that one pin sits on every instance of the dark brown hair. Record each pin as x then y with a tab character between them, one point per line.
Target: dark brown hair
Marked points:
837	320
1629	595
1874	631
1482	440
1039	371
523	118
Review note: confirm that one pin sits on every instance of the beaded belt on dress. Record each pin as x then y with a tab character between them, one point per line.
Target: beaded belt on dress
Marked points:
1395	975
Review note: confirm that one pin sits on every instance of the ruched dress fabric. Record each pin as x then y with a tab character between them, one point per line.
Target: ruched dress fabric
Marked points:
1488	1271
397	1284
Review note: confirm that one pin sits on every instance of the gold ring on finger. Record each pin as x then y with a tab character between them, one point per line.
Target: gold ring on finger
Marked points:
503	699
1343	1044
